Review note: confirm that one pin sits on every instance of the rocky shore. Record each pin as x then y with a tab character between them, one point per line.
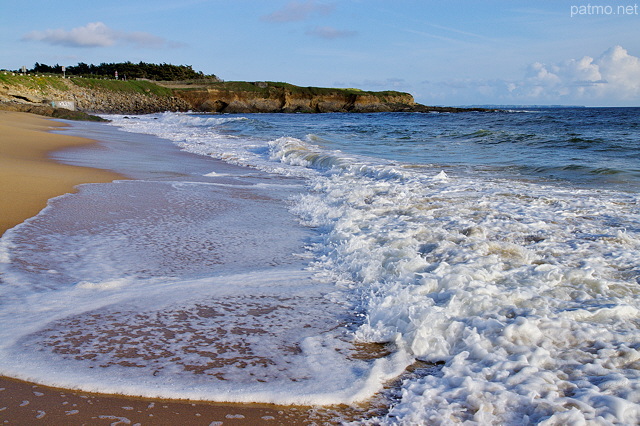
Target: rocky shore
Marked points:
34	94
246	97
43	95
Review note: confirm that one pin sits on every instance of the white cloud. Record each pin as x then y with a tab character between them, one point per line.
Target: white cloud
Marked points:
614	75
299	11
330	32
621	71
94	34
613	78
97	34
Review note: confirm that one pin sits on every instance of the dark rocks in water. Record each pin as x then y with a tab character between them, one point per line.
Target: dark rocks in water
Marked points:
49	111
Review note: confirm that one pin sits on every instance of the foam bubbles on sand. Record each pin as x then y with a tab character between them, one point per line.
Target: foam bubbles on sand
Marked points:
266	337
517	297
179	289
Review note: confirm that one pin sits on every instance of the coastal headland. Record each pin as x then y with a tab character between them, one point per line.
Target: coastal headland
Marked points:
41	95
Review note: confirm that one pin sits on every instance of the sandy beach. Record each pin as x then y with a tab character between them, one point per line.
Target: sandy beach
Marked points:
28	178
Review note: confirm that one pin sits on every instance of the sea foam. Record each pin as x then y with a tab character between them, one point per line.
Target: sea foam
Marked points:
527	291
520	294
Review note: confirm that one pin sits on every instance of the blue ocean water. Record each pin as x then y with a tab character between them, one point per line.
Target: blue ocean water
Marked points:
484	263
588	146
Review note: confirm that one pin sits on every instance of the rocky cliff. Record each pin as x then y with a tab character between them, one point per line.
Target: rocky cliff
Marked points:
42	94
88	95
244	97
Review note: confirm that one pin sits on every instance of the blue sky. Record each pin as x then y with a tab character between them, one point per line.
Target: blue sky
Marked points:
457	52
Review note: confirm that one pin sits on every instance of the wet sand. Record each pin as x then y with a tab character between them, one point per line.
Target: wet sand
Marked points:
28	178
23	403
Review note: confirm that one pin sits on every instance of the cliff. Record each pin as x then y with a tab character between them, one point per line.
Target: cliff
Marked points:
42	94
39	93
245	97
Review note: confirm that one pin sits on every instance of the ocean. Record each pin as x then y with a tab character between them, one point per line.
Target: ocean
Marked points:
471	267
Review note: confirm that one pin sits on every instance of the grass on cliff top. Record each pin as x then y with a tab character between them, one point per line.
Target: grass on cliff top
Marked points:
129	86
41	83
265	87
147	87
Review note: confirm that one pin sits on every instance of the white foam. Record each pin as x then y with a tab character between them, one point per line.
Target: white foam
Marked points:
527	293
201	135
99	294
266	336
214	174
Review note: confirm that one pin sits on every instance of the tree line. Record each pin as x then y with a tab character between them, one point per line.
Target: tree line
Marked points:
126	70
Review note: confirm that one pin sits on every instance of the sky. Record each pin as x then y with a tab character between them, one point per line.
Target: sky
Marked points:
454	52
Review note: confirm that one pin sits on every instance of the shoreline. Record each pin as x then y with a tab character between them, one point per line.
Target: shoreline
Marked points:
28	179
30	403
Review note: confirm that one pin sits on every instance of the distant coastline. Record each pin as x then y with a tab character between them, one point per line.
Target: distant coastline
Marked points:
492	106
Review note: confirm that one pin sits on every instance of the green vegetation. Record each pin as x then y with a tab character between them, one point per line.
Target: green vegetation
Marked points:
126	71
43	83
104	94
34	82
267	86
129	86
170	77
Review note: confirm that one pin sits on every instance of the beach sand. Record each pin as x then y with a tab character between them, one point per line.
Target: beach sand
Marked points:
28	178
23	403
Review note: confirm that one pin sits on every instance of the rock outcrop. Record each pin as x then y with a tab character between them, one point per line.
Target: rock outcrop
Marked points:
119	97
279	97
105	102
143	97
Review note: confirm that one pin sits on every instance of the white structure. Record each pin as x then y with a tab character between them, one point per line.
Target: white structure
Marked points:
70	105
